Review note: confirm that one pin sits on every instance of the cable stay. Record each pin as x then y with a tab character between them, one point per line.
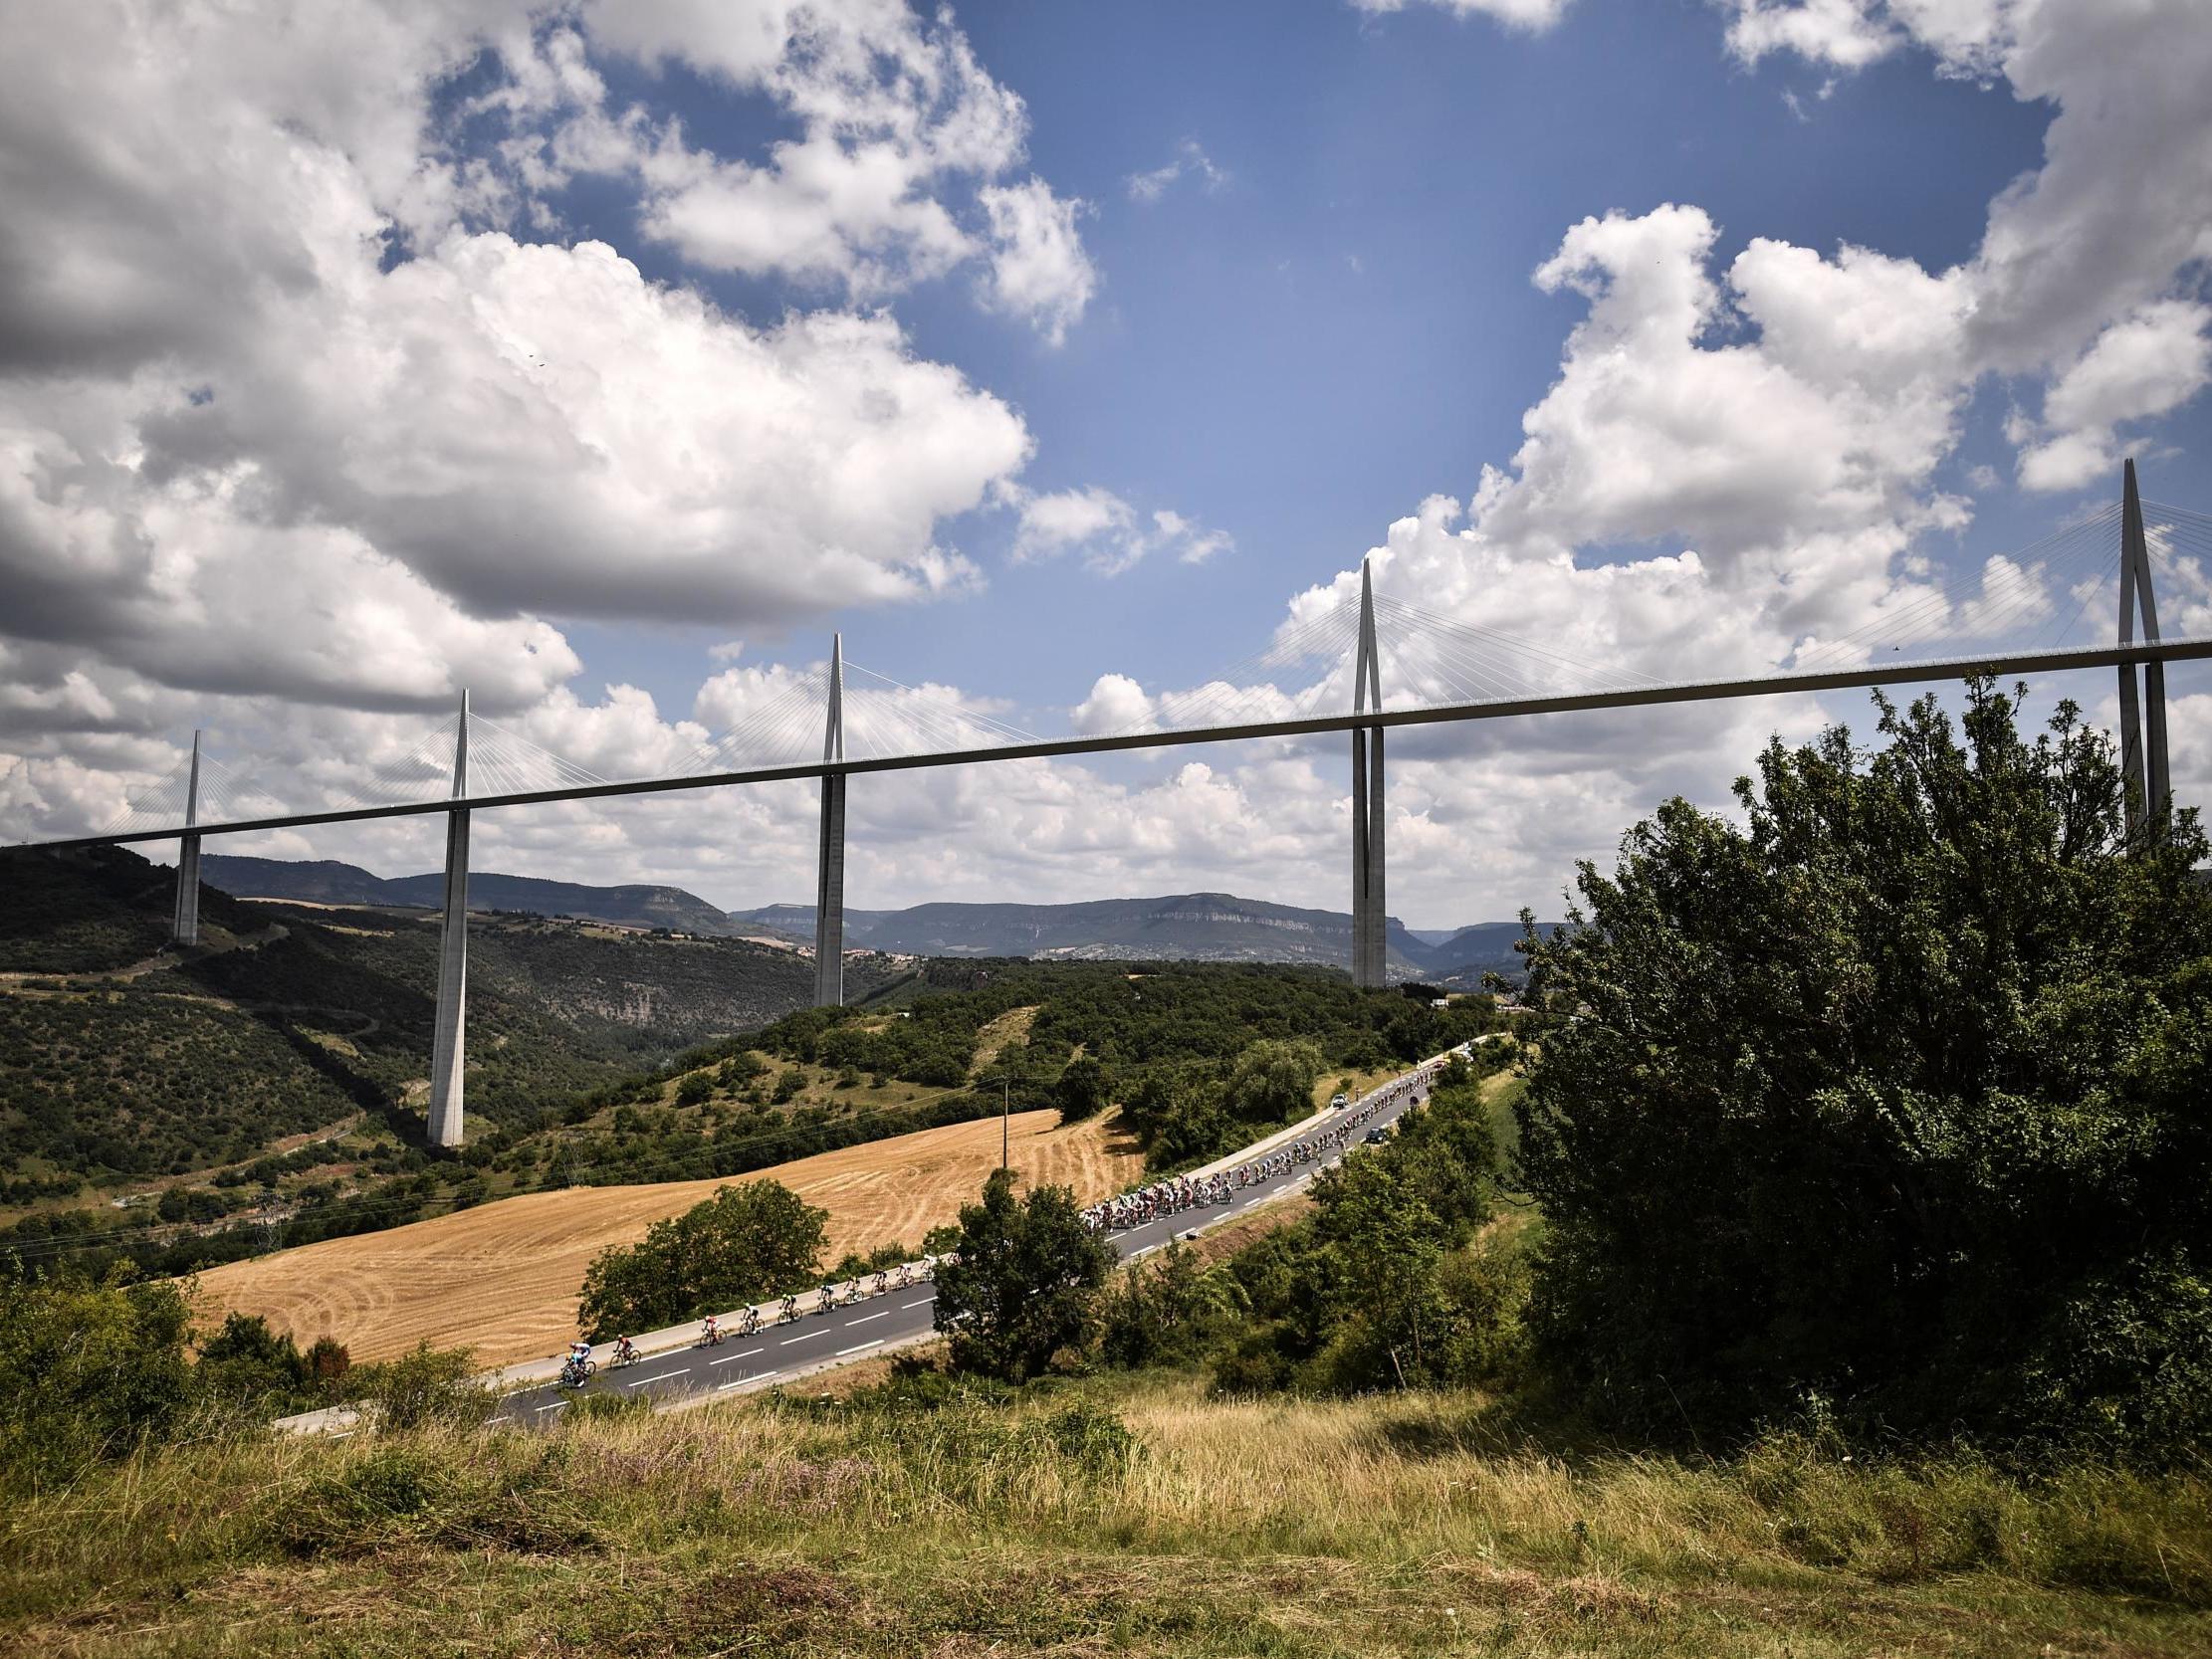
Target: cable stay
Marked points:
223	794
884	717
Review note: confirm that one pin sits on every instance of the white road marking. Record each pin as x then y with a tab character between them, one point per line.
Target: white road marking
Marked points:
809	1337
556	1406
924	1303
657	1376
747	1354
725	1387
858	1348
886	1314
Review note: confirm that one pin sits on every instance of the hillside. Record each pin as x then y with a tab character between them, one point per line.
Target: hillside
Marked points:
1189	926
328	882
121	1060
503	1276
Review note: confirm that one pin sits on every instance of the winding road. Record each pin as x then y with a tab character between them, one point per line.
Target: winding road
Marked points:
815	1341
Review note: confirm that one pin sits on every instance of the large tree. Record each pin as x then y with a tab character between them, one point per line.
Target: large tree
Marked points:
746	1243
1894	1096
1024	1283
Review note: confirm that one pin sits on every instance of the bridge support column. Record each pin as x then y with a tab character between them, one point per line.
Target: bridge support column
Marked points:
829	885
448	1043
184	927
1370	943
1378	915
2144	770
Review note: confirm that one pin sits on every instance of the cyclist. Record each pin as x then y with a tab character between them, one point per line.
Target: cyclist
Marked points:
789	1310
828	1299
625	1352
710	1333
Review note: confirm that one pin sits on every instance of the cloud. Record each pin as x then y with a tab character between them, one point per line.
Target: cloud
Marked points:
1190	160
1531	15
278	415
2146	364
1846	34
1107	530
897	175
1039	269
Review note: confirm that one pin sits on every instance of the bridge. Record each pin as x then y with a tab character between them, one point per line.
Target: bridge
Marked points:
1439	670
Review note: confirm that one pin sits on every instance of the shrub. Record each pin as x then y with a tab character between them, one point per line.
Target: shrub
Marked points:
87	1371
429	1385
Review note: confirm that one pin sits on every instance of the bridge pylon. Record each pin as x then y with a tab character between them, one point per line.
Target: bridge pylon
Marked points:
1369	938
830	871
184	926
448	1043
2144	772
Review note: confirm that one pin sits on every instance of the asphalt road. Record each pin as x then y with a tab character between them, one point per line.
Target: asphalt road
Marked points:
853	1331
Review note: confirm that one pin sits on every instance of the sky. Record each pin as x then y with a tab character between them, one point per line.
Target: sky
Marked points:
604	360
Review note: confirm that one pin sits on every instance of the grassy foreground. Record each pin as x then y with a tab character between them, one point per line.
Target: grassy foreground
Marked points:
1121	1520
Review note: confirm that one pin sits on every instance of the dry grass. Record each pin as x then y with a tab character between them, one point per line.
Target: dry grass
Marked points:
1008	1028
1104	1519
503	1276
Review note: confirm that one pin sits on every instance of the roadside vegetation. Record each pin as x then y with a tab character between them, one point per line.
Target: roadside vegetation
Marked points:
1126	1516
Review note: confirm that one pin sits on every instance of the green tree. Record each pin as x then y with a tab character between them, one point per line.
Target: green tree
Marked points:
87	1371
744	1244
1893	1095
1274	1080
1084	1090
1023	1282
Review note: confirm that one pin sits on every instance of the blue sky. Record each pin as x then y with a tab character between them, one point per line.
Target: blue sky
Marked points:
603	358
1347	324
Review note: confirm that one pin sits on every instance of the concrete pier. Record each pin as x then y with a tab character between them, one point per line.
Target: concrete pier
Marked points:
448	1044
184	926
829	870
2145	767
1370	936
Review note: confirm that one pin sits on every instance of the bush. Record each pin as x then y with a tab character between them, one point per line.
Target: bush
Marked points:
744	1244
247	1362
429	1385
87	1371
1166	1312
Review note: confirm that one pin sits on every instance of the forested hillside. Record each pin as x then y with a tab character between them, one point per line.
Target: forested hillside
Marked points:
326	882
122	1059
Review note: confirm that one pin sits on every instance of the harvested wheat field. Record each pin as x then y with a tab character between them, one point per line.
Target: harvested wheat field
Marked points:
504	1278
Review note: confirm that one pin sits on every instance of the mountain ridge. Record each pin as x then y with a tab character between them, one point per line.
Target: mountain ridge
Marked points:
1179	927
